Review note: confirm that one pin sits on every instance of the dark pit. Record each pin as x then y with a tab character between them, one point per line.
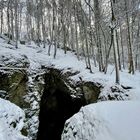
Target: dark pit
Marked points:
57	105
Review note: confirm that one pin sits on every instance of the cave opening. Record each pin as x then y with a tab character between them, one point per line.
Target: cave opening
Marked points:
57	105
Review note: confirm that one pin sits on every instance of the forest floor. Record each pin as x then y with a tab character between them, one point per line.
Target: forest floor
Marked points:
37	57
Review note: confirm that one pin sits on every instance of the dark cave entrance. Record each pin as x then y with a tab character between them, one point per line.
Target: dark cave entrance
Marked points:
57	105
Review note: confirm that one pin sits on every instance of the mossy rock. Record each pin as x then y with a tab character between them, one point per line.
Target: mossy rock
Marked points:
18	88
15	84
91	92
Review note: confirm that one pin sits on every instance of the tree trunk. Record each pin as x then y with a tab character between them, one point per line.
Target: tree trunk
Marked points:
130	55
113	36
122	48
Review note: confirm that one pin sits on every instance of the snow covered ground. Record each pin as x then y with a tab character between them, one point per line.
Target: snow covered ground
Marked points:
11	121
38	56
105	120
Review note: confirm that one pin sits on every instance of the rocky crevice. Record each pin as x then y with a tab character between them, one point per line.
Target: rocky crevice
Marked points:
48	98
58	103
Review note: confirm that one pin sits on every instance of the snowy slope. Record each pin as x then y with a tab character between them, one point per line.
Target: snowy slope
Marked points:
37	57
11	121
105	121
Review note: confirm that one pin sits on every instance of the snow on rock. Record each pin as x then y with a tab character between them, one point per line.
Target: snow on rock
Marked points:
114	120
11	121
113	92
9	58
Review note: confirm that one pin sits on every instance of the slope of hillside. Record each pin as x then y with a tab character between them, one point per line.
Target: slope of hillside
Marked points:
34	60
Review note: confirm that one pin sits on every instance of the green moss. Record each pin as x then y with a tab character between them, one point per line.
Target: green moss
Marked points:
15	84
91	92
17	89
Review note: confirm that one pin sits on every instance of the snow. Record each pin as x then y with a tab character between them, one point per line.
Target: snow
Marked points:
35	57
11	121
106	120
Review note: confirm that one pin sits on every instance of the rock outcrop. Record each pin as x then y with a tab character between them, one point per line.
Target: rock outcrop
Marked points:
14	83
105	120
